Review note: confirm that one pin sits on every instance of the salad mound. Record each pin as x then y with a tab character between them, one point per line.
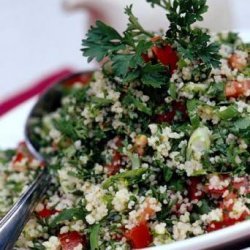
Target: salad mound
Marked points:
152	148
17	170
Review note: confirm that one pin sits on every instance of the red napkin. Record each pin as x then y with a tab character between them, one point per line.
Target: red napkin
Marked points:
35	89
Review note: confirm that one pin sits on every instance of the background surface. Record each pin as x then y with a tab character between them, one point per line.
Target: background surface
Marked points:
37	37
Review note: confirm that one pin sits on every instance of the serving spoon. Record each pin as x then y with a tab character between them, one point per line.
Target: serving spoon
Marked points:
14	221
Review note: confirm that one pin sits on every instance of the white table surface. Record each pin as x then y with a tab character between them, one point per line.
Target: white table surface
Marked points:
36	38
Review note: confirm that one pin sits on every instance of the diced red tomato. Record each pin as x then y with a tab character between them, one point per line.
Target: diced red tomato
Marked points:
115	165
169	116
167	56
146	214
117	237
18	158
176	209
193	191
242	183
237	89
118	141
119	234
82	79
227	203
71	240
230	196
216	191
139	236
236	62
116	162
231	221
148	211
42	164
146	58
213	226
227	206
180	107
46	213
22	152
227	221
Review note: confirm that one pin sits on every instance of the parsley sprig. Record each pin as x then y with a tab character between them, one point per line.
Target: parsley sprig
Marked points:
101	41
192	43
125	50
134	26
165	4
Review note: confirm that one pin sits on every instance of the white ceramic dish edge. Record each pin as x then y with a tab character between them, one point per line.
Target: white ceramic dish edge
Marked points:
224	237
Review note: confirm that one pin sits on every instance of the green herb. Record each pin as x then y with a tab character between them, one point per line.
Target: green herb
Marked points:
15	186
68	214
217	90
101	102
129	99
229	113
125	50
154	75
38	246
242	127
79	94
162	3
192	43
177	185
130	176
195	88
94	237
5	156
204	208
135	160
192	108
134	26
243	124
172	90
67	128
101	41
246	71
167	173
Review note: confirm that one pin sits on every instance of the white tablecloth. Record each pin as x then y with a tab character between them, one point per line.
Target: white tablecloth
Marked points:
37	37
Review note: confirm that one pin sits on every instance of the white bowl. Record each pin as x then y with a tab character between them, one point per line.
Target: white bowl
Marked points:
233	237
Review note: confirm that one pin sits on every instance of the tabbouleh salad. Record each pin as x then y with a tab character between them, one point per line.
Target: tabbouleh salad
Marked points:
151	149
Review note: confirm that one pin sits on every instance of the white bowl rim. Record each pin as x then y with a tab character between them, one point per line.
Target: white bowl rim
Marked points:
222	237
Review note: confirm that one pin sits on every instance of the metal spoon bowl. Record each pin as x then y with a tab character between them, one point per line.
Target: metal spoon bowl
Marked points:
14	221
